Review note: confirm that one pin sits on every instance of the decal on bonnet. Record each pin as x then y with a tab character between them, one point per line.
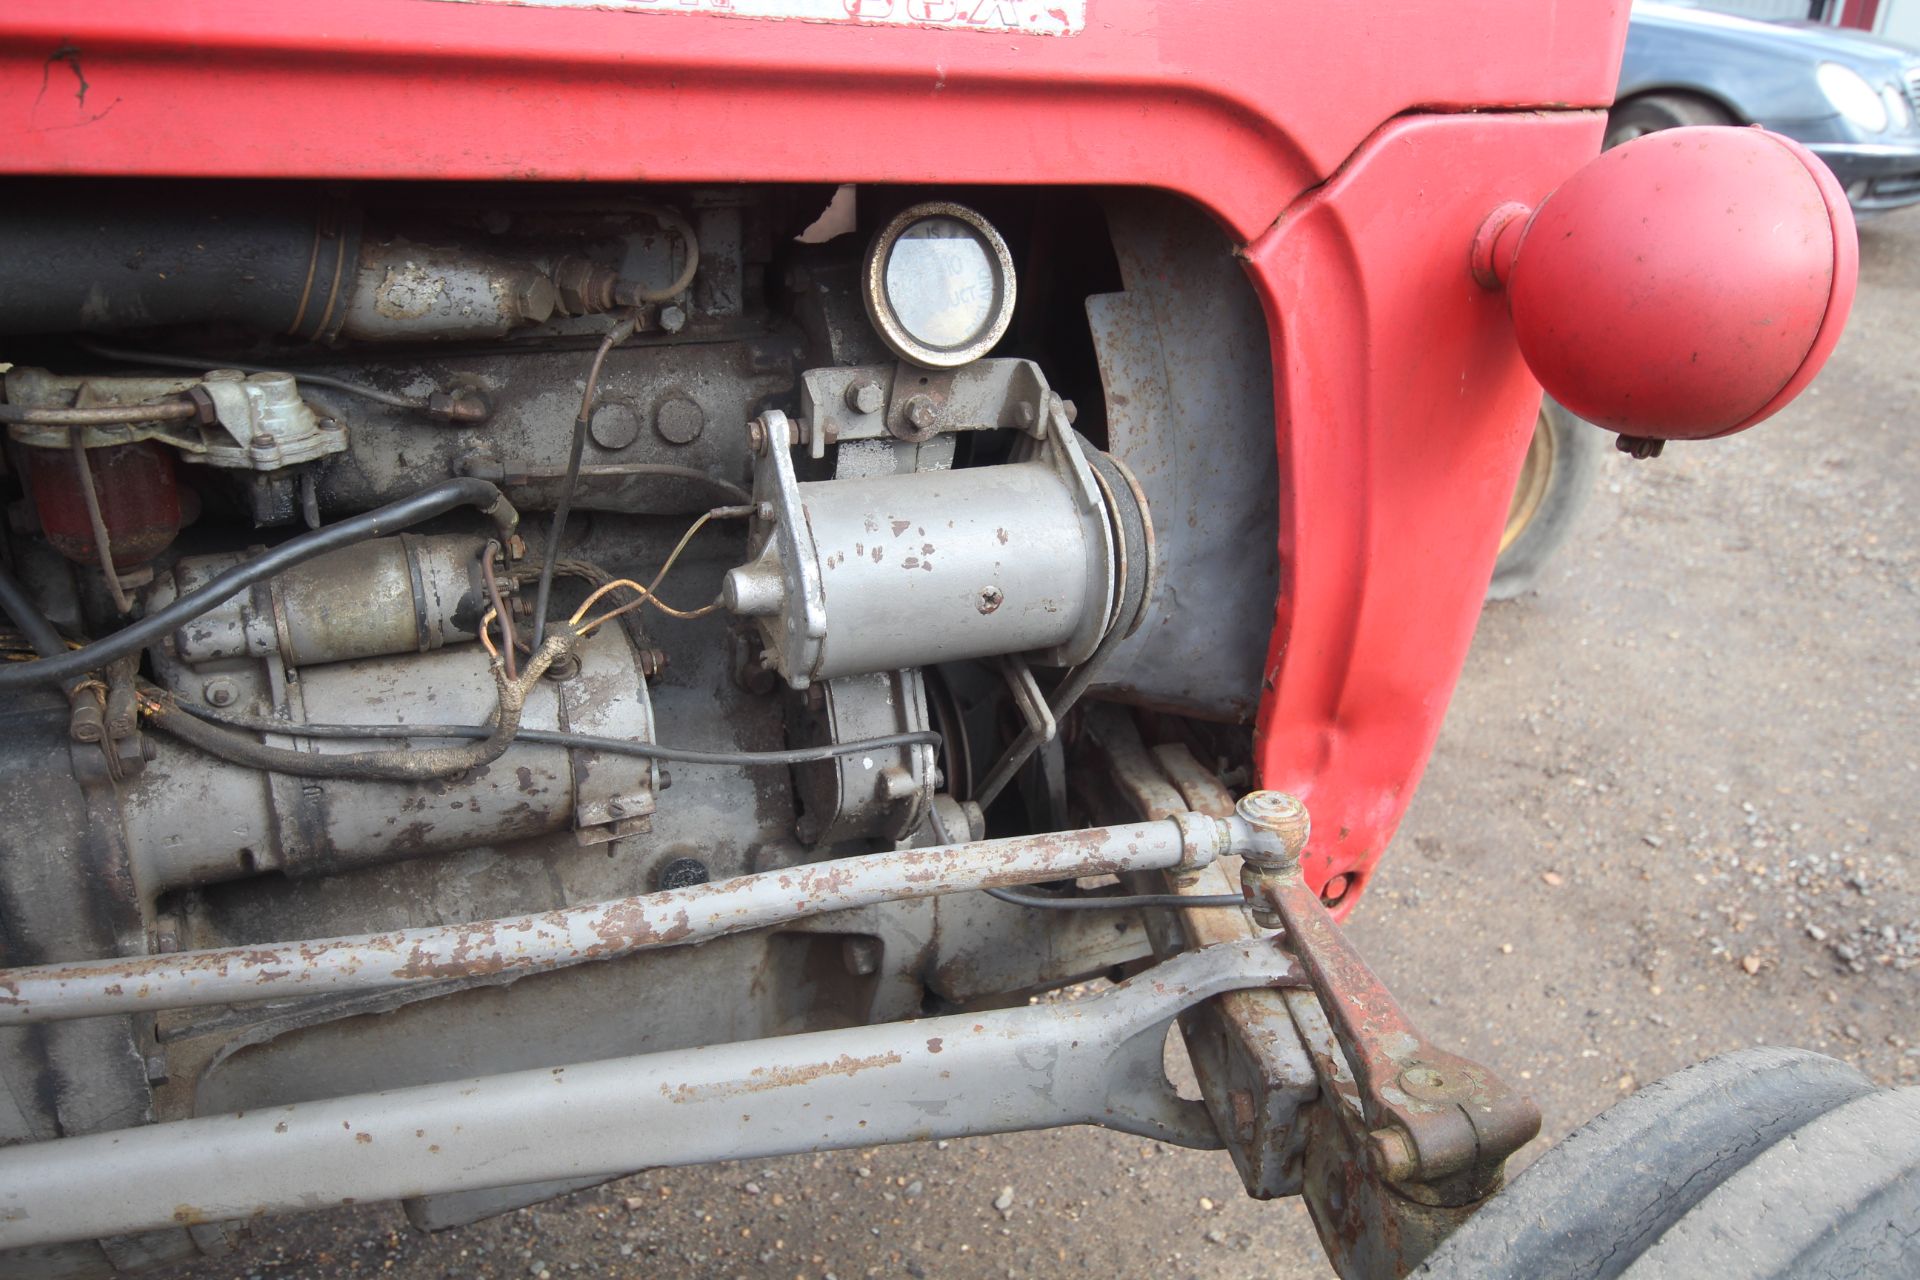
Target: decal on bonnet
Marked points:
1029	17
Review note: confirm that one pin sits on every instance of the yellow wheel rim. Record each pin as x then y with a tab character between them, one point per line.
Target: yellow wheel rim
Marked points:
1535	475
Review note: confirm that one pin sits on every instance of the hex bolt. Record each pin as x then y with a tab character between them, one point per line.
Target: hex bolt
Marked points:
864	396
922	412
861	955
219	692
1391	1153
1281	826
757	436
673	319
536	298
652	662
262	441
87	723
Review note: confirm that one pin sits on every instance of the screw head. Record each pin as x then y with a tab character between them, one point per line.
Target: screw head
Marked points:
864	396
219	692
673	319
990	599
922	412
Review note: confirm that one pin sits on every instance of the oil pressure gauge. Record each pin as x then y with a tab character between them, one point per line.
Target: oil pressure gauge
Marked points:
938	285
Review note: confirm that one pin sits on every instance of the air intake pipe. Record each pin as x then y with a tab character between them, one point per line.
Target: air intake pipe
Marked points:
99	260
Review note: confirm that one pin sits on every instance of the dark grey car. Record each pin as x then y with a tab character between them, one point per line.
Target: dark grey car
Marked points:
1849	97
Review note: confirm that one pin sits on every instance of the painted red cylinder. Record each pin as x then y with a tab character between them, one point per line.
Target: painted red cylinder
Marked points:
139	500
1685	285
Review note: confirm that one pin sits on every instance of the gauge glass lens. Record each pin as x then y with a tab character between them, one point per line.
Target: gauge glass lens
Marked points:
940	282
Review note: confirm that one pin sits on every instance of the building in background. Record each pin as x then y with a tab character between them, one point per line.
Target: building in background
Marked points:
1893	19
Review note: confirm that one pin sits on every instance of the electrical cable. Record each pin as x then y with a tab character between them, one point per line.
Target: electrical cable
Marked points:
429	502
499	608
102	542
595	576
1119	902
206	363
621	331
405	764
648	594
561	738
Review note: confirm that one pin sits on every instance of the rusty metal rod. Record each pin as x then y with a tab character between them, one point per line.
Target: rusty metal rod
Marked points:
98	415
601	930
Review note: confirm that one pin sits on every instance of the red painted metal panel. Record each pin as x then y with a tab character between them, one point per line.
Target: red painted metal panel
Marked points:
1404	412
1240	104
1403	407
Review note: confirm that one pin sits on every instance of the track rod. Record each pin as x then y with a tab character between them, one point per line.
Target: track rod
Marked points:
600	930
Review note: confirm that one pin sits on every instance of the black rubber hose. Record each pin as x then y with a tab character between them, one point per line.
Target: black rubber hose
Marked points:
1119	901
559	738
114	255
378	523
32	623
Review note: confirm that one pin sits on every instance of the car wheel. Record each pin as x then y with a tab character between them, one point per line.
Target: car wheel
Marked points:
1556	479
1653	112
1763	1162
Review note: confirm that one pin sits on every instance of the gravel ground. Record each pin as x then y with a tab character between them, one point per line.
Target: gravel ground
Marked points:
1671	814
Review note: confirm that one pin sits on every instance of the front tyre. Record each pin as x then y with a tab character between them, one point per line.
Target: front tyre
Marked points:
1556	479
1759	1163
1652	112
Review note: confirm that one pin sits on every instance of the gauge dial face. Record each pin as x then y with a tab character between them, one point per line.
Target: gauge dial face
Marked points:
939	285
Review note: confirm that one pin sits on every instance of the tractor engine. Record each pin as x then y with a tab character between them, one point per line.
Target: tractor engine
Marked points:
475	552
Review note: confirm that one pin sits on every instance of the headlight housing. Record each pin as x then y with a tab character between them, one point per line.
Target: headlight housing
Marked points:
1850	94
1899	114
